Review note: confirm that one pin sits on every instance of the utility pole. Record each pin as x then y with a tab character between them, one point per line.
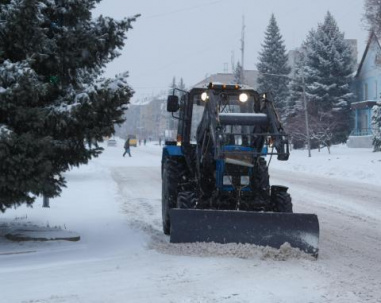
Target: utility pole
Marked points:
233	62
226	67
243	50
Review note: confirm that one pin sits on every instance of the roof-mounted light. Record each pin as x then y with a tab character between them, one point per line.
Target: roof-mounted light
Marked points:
223	86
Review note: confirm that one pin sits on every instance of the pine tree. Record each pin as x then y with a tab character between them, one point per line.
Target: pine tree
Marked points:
376	127
181	84
273	68
52	101
238	73
328	76
173	85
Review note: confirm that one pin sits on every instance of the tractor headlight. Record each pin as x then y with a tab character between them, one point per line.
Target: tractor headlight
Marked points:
243	97
204	96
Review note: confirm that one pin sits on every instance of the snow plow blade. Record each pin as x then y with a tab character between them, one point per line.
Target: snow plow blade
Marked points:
229	226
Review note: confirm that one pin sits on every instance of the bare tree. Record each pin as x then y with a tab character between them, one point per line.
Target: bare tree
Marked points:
321	130
297	130
372	15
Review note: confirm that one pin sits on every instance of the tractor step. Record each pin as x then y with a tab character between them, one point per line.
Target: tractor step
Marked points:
230	226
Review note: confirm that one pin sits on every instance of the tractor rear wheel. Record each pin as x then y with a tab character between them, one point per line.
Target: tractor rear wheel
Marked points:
172	174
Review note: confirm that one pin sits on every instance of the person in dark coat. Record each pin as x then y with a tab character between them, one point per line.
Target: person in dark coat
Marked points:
127	147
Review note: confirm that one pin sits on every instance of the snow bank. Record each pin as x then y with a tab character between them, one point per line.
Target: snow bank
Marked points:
355	164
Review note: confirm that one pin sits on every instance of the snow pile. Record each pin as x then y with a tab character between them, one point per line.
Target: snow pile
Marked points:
242	251
31	232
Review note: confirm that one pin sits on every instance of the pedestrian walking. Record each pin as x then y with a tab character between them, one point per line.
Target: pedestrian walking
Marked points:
127	147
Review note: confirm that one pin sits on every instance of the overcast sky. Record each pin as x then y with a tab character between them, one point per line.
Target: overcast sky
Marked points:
193	39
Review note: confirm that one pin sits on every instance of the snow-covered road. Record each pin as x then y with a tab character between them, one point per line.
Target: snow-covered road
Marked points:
350	228
115	205
349	214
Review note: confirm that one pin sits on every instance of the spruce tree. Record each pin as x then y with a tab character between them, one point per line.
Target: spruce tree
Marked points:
173	85
328	75
52	100
238	73
273	66
181	84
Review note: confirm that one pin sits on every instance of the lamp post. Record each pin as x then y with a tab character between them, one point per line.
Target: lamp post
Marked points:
306	115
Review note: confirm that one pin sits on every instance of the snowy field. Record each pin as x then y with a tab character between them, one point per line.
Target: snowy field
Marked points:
114	204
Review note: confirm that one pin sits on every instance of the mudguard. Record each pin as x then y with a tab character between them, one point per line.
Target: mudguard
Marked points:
172	150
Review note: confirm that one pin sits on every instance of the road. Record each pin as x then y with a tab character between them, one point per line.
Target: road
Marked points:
123	255
350	226
350	221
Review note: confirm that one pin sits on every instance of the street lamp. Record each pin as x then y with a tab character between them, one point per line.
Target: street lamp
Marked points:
306	115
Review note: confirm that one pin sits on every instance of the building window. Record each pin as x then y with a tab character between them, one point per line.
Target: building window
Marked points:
366	91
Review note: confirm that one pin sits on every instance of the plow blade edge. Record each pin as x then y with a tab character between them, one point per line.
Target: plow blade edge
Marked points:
229	226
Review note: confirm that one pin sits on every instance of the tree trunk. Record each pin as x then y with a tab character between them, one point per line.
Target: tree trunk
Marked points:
45	202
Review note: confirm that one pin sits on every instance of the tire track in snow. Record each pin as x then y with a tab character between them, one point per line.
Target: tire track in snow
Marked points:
139	196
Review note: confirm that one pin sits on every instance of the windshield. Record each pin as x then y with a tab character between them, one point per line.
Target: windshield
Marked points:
227	104
236	134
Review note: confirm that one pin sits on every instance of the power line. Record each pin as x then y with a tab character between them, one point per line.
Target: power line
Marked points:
184	9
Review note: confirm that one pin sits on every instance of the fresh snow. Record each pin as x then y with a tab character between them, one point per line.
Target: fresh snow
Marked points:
114	204
352	164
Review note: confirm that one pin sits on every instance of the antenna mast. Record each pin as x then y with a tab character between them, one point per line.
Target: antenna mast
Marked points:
243	49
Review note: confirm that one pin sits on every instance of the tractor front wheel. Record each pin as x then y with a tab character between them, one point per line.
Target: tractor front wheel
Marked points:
186	200
281	199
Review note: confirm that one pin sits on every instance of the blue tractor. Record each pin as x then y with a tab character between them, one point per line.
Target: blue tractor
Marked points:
215	180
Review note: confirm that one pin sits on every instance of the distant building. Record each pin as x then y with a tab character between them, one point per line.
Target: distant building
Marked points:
250	79
367	84
293	59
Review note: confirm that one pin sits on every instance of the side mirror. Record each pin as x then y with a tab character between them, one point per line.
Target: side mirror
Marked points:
173	104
